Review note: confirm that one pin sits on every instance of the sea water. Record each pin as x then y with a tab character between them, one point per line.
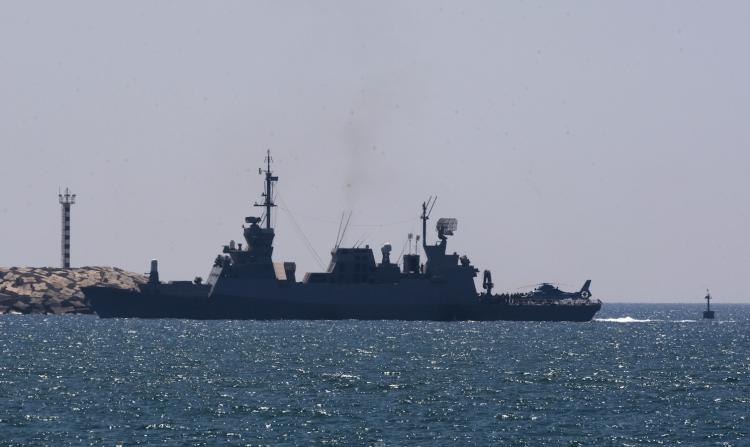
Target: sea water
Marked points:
636	375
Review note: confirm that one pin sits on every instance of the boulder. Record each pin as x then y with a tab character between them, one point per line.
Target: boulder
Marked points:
20	306
56	290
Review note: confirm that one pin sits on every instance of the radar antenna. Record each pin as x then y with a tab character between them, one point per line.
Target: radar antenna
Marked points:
446	226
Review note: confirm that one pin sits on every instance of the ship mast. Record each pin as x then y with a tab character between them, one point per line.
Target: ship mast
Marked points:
268	193
424	223
426	215
708	301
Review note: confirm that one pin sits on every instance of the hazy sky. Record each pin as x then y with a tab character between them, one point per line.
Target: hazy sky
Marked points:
572	140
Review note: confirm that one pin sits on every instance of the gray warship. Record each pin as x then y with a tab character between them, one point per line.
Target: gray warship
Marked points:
245	283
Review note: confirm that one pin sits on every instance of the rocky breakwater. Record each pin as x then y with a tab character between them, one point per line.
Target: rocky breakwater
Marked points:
46	290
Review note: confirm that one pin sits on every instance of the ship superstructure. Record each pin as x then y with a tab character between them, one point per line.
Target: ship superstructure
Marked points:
245	283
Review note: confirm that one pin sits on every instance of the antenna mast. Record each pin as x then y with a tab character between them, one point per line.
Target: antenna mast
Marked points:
426	215
268	193
66	200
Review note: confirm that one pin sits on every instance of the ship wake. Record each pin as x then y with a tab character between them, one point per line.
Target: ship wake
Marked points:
629	319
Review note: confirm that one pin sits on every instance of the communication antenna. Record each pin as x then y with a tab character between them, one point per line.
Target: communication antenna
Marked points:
432	206
346	227
410	236
268	193
342	229
66	200
338	232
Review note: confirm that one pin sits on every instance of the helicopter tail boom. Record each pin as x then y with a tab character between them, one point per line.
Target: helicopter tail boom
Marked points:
585	292
586	285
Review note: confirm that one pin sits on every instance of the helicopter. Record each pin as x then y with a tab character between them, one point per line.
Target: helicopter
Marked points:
547	291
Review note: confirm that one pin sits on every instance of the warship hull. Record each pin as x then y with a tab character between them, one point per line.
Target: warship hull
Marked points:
113	303
246	284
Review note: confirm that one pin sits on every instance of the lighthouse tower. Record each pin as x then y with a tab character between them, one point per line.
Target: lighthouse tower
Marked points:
66	200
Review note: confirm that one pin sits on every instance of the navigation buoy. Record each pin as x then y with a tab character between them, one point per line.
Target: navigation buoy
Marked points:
708	313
